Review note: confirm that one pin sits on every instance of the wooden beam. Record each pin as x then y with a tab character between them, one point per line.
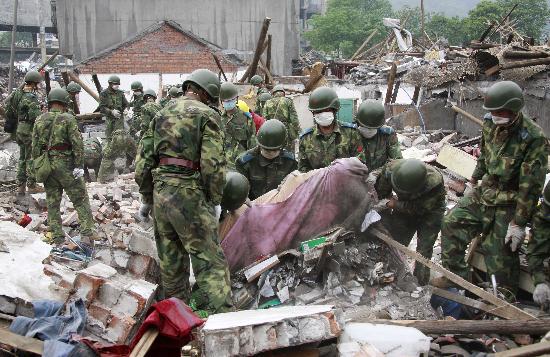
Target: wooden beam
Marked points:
145	343
510	309
12	47
364	44
65	77
467	115
416	94
525	54
219	66
47	82
538	349
84	86
266	71
391	81
395	91
97	83
526	63
21	343
493	70
251	70
268	54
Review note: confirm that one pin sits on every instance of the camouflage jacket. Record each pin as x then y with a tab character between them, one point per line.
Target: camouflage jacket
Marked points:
72	106
186	129
112	99
148	112
92	149
65	136
318	151
538	249
258	104
136	104
430	200
512	166
26	108
381	148
283	109
240	134
264	175
165	101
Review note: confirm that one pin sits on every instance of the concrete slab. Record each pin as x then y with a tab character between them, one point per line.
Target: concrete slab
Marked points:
457	161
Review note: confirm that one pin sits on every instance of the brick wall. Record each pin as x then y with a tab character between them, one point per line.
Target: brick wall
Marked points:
165	50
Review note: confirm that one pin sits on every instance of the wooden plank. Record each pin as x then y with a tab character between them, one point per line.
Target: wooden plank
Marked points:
219	66
391	80
21	343
97	84
256	270
517	313
466	114
47	82
84	86
526	63
251	70
145	343
526	351
493	70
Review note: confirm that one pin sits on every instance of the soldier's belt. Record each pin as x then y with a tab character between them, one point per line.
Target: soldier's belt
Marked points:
61	147
180	162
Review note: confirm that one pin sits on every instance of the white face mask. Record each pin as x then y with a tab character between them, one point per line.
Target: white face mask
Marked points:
115	86
500	120
270	154
367	132
324	118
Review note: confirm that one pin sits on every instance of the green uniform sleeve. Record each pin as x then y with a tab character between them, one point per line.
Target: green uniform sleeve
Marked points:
394	150
213	159
76	141
303	164
383	183
103	100
145	163
356	148
35	146
145	120
240	167
538	249
294	129
531	178
34	110
427	204
480	169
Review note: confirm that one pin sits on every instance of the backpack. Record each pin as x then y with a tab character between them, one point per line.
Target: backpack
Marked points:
10	122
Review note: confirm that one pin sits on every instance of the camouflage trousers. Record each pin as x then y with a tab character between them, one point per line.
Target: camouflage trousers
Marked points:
185	227
62	179
464	223
124	147
403	226
25	174
112	124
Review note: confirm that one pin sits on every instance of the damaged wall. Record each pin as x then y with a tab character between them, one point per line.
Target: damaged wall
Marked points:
87	27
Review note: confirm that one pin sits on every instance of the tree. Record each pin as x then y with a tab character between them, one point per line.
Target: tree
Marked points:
22	39
451	28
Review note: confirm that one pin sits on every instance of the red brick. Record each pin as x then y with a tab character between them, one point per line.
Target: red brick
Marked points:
99	313
87	286
119	329
142	266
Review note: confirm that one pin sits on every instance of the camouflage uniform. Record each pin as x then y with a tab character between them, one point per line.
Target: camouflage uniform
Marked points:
318	151
381	148
148	112
137	104
511	166
27	108
539	245
282	108
165	101
122	145
420	213
258	106
264	175
110	99
240	134
71	107
92	157
183	200
66	153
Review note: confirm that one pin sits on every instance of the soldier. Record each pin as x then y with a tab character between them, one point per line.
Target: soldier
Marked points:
235	192
539	250
328	139
57	133
122	145
258	82
136	103
112	104
282	108
240	131
173	92
74	89
262	99
258	120
92	157
25	106
149	110
512	165
418	207
267	164
181	172
380	142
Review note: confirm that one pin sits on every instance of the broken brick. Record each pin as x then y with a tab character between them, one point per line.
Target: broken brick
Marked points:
87	286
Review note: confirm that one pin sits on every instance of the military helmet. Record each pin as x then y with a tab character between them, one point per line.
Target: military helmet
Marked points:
173	91
546	194
150	93
409	176
59	95
504	95
228	91
114	79
264	97
272	135
235	191
205	79
278	88
371	114
256	79
136	85
73	87
33	77
323	98
180	91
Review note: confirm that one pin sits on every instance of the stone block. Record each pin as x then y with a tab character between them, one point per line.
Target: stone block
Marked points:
143	267
61	276
99	313
109	293
144	292
127	305
121	258
70	219
99	270
142	242
7	305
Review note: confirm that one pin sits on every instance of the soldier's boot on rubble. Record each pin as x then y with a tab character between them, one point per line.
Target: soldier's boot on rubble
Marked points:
35	189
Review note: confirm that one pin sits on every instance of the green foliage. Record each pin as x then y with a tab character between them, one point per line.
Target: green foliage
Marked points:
22	39
451	28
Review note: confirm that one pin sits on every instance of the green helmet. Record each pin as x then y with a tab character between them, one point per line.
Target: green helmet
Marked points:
73	88
228	91
256	79
504	95
136	85
409	176
150	93
113	79
206	80
173	92
272	135
180	91
323	98
59	95
278	88
33	77
371	114
235	191
264	97
546	194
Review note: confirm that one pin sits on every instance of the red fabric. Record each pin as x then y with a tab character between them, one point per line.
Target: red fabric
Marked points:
258	120
337	195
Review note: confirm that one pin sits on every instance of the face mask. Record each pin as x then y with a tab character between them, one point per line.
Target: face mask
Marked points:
229	104
324	118
500	120
367	132
150	100
138	92
115	86
270	154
